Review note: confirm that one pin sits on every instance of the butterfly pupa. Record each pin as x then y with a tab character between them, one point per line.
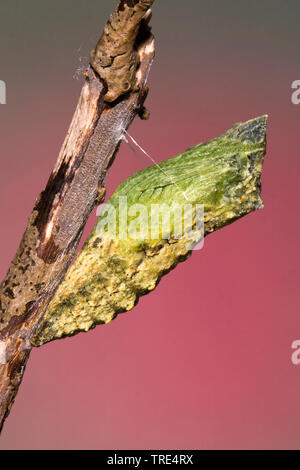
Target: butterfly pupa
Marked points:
112	271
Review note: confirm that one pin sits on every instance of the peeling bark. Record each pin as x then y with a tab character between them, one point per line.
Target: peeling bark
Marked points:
116	57
75	186
112	271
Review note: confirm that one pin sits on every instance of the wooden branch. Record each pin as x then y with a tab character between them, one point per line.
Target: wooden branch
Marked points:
113	94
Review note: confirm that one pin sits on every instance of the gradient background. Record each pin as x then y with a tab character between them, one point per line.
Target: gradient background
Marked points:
203	362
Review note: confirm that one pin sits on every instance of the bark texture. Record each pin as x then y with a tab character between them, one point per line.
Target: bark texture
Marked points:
56	223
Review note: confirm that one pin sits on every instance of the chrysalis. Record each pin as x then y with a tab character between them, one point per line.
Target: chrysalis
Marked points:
133	245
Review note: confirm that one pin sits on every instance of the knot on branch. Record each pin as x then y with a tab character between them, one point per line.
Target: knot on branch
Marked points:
116	56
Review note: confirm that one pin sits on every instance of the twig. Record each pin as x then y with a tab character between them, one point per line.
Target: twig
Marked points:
113	94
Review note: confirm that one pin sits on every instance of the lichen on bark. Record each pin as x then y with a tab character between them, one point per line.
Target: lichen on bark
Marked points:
111	273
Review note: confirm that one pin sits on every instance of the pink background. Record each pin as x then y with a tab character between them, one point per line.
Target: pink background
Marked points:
204	361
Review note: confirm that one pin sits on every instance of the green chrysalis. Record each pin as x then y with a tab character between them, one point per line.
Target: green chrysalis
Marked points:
112	271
